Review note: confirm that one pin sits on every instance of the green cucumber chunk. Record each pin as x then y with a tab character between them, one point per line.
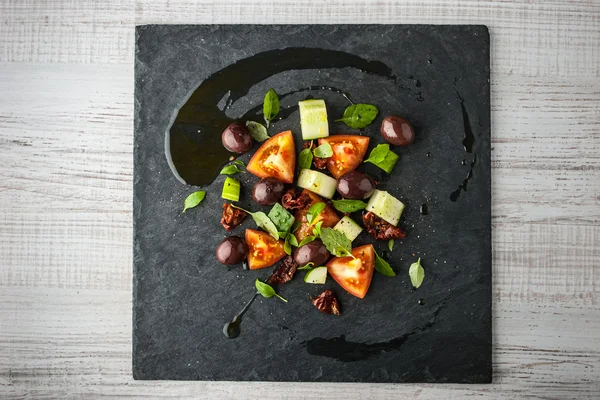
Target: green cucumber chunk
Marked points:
348	227
231	189
313	119
317	182
316	276
385	206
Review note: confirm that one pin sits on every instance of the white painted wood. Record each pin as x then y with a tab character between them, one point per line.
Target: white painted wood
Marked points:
66	105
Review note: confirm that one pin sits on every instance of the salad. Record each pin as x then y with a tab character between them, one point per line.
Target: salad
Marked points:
309	225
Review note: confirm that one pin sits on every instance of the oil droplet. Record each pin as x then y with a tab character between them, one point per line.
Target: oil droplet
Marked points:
428	154
421	302
464	162
430	61
424	210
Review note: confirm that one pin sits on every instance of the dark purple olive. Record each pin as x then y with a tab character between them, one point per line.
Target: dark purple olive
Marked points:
314	252
267	191
236	138
356	185
397	130
232	250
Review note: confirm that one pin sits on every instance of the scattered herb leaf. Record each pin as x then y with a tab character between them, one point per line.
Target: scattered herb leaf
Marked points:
383	267
270	106
193	200
314	211
257	130
317	229
358	116
240	163
323	151
416	273
305	159
389	162
281	217
287	246
263	221
336	242
307	267
295	226
230	170
391	244
383	157
266	291
349	206
306	240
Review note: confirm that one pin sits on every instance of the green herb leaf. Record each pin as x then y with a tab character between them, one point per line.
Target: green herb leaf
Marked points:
383	267
266	290
262	221
383	157
307	267
193	200
257	130
378	153
358	116
295	226
240	163
317	229
349	206
391	244
293	240
305	158
270	106
323	151
287	246
306	240
314	211
281	217
416	273
230	170
336	242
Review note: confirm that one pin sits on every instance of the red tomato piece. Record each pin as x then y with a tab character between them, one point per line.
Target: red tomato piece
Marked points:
276	158
354	274
348	153
264	249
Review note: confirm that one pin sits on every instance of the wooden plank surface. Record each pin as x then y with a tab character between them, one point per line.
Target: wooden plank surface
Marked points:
66	79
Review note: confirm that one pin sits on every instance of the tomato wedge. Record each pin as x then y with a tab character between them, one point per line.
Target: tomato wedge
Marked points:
264	250
354	274
276	158
348	153
328	216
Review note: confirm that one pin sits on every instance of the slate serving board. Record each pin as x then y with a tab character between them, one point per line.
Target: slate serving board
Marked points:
182	296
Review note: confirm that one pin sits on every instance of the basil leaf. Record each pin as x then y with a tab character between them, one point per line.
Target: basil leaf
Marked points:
307	267
314	211
391	244
266	290
305	159
281	217
293	240
270	106
295	226
240	163
378	153
349	206
193	200
230	170
336	242
383	267
262	221
287	246
317	229
416	273
358	116
257	131
323	151
306	240
383	157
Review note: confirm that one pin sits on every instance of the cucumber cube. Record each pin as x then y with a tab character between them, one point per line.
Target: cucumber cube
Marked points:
385	206
348	227
313	119
317	182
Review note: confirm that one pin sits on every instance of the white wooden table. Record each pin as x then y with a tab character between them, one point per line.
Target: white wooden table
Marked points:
66	111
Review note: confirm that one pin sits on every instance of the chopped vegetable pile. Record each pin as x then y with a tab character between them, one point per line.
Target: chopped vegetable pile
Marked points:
306	228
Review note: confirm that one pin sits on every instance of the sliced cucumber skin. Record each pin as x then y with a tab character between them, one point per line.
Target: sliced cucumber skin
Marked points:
317	182
385	206
348	227
313	109
316	276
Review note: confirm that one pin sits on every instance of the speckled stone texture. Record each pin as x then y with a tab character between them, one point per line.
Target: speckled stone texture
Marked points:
182	296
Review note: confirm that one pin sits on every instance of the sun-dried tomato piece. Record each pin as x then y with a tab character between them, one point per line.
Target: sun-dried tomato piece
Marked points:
232	217
381	229
295	199
318	163
284	272
327	303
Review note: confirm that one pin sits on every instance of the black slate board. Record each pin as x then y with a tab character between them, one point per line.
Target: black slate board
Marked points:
182	297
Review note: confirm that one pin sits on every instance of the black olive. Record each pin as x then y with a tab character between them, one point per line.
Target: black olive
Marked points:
267	191
232	250
397	130
236	138
356	185
314	252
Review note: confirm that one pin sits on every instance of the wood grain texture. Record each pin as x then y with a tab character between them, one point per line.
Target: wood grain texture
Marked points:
66	111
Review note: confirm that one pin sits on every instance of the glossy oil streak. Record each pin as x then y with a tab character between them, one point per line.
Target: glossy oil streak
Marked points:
192	144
